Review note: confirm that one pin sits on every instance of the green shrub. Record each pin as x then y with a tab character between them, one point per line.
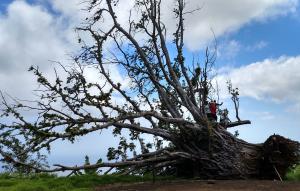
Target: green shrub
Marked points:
5	176
42	176
294	174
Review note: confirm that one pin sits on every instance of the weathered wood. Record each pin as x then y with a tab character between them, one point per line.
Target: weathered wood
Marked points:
236	123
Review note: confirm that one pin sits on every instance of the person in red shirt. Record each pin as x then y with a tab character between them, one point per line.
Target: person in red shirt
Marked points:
213	110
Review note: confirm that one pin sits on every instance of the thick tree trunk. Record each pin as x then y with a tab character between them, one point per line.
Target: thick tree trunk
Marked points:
227	157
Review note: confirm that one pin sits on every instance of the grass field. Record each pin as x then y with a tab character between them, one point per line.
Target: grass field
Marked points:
46	182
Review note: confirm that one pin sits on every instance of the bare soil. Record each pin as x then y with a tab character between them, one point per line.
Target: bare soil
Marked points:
210	185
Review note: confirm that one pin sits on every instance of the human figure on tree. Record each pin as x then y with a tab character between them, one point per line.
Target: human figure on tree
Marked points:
224	119
213	110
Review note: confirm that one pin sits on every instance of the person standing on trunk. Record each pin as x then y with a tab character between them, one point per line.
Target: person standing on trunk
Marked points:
213	110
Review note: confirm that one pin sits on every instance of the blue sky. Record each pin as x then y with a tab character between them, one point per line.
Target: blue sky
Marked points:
258	49
280	36
277	37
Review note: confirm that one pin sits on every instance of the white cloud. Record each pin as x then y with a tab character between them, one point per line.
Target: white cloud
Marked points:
227	16
29	36
32	35
229	50
92	75
221	17
274	79
257	46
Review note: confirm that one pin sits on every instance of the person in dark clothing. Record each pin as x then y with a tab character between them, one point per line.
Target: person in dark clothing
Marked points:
224	120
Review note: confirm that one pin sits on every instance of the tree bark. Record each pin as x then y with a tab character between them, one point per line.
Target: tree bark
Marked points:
231	158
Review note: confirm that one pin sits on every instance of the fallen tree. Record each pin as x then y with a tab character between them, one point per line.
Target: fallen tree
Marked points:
166	98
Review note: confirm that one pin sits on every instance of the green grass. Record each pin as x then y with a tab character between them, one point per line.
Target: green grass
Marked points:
294	174
46	182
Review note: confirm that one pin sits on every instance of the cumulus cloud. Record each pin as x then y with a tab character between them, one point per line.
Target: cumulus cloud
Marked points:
274	79
32	35
228	16
218	17
29	36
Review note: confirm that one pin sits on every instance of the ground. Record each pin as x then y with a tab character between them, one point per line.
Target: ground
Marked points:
205	186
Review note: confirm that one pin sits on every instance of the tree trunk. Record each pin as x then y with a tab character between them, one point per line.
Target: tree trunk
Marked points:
228	157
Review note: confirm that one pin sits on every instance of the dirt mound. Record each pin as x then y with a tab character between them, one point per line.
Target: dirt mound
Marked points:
206	186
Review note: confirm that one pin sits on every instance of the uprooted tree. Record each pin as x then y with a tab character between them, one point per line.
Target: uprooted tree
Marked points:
166	98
